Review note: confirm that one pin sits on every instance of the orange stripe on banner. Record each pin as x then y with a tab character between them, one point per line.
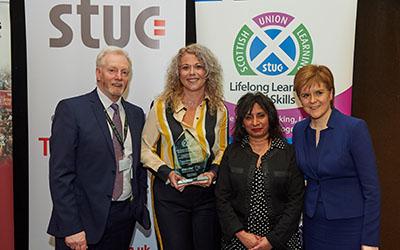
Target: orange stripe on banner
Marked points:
159	23
158	32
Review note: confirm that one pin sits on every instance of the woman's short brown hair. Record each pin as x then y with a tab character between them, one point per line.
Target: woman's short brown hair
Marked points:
314	74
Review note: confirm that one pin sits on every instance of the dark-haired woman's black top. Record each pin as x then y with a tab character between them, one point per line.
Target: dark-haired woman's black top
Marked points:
239	193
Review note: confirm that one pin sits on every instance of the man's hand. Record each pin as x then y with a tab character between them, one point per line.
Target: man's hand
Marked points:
76	241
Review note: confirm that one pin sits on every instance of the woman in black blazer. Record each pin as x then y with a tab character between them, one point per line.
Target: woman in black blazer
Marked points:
259	188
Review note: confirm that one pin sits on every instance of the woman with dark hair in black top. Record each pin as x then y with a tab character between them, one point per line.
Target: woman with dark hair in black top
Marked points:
259	188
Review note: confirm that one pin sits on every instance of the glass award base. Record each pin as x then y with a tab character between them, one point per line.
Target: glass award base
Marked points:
190	180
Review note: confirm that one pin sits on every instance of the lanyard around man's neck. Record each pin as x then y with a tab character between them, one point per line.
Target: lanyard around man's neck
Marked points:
115	130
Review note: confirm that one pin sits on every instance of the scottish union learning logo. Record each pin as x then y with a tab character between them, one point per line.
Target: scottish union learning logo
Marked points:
271	45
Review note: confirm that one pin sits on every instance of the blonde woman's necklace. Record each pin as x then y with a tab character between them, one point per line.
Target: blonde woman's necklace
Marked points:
191	103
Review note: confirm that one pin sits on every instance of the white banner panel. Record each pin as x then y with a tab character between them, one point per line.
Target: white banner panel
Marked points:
5	40
63	39
262	43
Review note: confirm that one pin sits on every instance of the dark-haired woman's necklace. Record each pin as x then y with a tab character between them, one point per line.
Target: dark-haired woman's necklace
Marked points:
260	148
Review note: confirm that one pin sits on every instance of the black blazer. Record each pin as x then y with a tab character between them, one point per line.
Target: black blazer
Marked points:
82	167
285	187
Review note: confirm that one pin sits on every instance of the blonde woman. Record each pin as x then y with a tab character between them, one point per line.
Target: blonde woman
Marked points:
192	103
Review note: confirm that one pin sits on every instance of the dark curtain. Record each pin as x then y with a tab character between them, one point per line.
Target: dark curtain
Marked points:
376	99
20	125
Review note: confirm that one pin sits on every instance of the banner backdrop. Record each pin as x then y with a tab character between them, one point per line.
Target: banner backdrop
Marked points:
6	164
63	39
261	44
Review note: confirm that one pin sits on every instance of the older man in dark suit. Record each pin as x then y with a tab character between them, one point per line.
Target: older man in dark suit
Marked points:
97	184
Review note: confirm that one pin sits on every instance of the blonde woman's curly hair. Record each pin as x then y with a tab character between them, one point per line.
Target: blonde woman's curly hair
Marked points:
173	91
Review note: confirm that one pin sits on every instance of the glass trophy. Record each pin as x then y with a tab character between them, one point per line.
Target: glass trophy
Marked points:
190	158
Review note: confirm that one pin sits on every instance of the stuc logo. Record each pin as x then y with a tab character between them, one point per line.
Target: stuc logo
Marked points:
86	10
272	44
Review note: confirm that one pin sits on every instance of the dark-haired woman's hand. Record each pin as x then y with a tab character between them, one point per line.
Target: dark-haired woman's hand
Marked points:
263	244
249	240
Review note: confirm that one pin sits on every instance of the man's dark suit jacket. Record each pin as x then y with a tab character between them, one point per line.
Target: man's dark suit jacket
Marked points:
82	167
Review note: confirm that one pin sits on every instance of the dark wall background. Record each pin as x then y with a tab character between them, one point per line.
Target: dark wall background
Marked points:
376	99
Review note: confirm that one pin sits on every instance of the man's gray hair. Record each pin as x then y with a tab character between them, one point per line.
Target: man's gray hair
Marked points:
112	50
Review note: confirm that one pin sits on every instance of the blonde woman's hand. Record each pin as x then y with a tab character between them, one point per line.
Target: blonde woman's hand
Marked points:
210	175
173	179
